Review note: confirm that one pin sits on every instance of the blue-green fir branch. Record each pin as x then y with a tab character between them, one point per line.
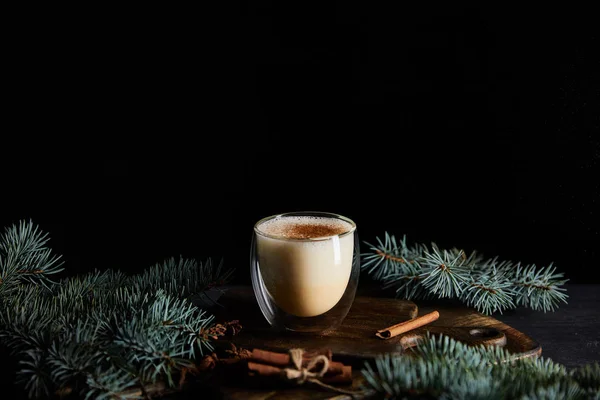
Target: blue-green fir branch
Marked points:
539	288
444	273
489	285
101	334
34	374
489	292
185	278
24	257
112	383
389	257
447	369
588	376
408	282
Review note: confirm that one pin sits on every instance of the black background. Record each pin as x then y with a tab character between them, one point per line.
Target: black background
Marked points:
132	136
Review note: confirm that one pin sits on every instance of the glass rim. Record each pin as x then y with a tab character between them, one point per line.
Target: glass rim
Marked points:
322	214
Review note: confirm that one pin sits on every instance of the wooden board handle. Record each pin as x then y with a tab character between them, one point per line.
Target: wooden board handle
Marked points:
473	336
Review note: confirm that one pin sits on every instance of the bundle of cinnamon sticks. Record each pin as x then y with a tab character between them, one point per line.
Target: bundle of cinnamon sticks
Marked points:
267	364
259	367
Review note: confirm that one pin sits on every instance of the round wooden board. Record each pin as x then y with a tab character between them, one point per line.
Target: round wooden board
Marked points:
355	338
354	342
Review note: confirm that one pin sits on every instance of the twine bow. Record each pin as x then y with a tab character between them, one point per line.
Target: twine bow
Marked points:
302	374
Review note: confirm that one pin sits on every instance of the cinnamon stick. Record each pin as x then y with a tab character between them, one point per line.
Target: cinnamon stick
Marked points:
270	371
343	378
264	370
406	326
283	359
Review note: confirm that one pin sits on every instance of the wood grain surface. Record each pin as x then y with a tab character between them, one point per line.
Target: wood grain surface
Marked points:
354	342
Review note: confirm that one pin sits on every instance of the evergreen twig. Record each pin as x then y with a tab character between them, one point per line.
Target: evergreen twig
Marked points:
24	257
448	369
101	334
489	285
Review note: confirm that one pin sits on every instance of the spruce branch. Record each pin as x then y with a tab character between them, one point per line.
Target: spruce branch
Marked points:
397	265
588	376
33	374
185	278
539	289
24	257
489	291
103	334
390	256
408	283
488	285
443	273
447	369
111	384
555	391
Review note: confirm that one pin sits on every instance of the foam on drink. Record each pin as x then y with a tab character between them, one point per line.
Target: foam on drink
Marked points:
304	227
305	262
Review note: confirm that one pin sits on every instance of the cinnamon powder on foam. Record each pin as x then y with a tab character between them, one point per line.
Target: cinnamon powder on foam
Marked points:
301	227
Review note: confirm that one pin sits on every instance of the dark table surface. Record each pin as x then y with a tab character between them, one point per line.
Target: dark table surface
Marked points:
569	335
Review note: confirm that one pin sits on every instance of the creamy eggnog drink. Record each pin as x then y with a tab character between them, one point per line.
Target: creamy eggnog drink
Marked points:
305	262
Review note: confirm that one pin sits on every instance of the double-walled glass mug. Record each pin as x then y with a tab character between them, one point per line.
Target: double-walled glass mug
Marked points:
305	268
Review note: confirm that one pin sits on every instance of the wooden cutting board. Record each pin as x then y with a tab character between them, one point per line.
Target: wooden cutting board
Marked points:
355	341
